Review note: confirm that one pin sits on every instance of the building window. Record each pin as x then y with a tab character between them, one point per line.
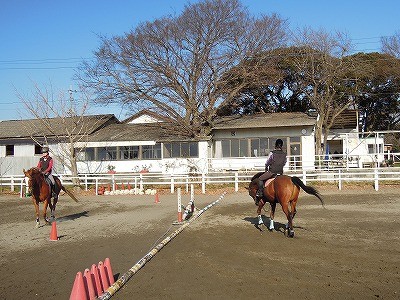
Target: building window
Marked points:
129	152
252	147
151	151
181	149
9	150
259	147
38	149
107	153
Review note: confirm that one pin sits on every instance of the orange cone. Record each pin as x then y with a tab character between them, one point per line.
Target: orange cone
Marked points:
103	276
97	283
78	290
53	233
157	200
87	276
107	264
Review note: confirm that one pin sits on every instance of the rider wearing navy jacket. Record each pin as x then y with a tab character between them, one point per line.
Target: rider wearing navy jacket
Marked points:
274	165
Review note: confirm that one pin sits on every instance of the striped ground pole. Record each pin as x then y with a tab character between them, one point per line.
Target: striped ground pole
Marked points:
132	271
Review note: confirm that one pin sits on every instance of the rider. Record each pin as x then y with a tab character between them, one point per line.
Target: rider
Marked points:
274	165
45	165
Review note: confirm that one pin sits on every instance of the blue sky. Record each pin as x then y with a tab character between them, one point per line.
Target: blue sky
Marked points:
41	42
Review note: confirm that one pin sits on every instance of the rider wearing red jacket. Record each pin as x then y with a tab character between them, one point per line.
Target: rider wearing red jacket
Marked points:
45	165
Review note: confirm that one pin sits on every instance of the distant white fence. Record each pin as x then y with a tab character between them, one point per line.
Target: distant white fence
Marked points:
144	181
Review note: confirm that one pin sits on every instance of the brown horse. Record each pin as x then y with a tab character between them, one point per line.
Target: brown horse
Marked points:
284	190
41	192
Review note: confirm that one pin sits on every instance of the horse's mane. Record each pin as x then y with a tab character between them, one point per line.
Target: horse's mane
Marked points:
256	175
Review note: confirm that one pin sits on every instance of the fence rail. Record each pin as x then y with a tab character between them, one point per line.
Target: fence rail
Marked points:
141	182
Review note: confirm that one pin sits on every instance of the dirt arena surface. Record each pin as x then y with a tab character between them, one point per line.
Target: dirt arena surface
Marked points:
350	250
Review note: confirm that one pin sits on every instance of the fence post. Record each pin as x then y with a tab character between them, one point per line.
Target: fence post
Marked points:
340	180
86	183
304	177
12	184
113	182
376	179
97	186
136	185
141	181
172	184
236	181
203	183
21	192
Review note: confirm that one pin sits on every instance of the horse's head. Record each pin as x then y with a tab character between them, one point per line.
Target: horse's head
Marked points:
33	175
253	186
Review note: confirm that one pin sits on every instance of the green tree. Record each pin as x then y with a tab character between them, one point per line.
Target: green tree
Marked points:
378	96
272	84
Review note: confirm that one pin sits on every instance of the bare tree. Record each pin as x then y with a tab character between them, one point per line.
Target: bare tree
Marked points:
173	65
326	76
60	120
391	44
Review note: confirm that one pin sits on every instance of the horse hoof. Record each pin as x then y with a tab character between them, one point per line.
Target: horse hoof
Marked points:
270	229
289	233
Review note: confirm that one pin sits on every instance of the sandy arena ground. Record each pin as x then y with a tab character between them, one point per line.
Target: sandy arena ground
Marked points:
350	250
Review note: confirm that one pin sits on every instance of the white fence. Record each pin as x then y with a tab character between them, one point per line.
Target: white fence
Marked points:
140	182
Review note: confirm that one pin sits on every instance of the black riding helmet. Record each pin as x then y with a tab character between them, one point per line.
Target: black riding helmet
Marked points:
278	143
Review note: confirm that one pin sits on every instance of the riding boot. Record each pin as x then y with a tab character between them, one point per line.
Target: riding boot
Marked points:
53	192
260	191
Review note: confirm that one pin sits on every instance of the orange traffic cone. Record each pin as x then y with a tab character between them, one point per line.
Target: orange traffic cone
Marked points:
53	233
103	276
107	264
157	200
95	272
87	276
78	290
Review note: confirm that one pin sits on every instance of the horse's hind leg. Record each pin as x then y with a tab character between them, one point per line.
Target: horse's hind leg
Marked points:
53	208
289	232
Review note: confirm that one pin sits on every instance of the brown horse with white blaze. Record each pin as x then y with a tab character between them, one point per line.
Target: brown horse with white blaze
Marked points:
41	192
282	189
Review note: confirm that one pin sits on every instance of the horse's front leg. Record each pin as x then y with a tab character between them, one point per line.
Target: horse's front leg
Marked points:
36	205
272	216
46	203
259	208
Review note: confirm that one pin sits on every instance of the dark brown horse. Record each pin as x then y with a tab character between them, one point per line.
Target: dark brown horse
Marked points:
284	190
41	192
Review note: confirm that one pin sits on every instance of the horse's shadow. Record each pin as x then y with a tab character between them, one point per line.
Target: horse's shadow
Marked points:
277	225
73	217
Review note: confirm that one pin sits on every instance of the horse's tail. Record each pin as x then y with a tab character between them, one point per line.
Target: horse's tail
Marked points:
69	193
308	189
